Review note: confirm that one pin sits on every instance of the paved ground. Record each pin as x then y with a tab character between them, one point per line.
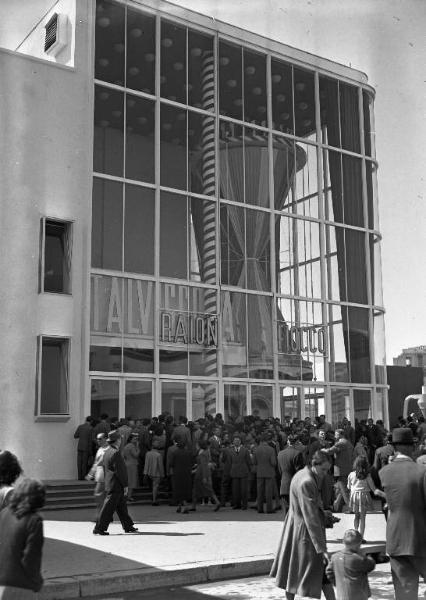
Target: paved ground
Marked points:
170	549
254	588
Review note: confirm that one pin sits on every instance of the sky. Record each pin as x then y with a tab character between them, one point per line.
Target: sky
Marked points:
386	40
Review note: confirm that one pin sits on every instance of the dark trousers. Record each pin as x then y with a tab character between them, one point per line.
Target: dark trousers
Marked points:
114	502
264	493
405	575
82	463
240	492
225	489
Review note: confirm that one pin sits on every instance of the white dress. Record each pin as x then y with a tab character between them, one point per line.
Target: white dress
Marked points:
360	498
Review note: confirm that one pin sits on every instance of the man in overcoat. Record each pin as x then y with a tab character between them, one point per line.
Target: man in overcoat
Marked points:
299	564
290	460
265	460
240	460
343	453
84	435
115	488
404	483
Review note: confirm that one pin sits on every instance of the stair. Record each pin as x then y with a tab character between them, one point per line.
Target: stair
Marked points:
65	494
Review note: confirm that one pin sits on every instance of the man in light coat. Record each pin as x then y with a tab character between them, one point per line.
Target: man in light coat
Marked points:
404	483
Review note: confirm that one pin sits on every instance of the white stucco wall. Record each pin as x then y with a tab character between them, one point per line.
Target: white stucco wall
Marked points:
46	122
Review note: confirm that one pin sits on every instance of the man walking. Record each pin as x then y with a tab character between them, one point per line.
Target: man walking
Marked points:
115	488
290	461
404	483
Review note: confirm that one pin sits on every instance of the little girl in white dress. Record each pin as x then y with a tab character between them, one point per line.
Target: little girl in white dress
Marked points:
360	484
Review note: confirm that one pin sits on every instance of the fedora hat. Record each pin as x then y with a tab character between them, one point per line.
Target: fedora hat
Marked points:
113	436
402	435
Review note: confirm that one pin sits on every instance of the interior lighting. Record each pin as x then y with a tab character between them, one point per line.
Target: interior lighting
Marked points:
238	102
276	78
103	62
224	61
307	122
285	116
250	70
181	116
231	83
104	123
190	132
136	32
178	66
142	120
167	42
116	113
300	86
104	95
172	98
281	97
303	105
196	52
261	109
163	79
131	102
167	126
134	71
119	48
149	57
104	21
257	91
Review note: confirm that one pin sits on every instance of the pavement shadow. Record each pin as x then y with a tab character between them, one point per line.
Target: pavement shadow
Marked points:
171	533
65	559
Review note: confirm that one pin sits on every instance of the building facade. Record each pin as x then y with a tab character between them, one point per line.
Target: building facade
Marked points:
190	225
412	357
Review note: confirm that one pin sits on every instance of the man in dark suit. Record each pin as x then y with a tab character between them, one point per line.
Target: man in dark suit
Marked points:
115	488
84	435
240	460
404	483
289	460
265	460
343	453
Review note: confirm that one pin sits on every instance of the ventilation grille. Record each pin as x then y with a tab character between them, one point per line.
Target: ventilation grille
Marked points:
51	32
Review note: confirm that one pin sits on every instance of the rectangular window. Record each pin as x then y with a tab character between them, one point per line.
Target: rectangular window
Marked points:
55	264
52	376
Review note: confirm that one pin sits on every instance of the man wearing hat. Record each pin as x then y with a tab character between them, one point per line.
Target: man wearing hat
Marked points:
115	488
404	483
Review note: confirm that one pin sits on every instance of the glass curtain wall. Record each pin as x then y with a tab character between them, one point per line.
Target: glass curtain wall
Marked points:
235	232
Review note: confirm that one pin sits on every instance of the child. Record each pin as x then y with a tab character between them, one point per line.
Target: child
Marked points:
348	568
360	484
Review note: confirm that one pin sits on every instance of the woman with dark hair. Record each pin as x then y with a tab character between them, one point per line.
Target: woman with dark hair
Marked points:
360	484
203	487
10	469
21	542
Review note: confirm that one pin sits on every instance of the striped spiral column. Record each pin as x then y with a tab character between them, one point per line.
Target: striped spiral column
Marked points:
208	257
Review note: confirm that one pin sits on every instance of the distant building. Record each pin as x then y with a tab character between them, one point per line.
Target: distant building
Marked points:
412	357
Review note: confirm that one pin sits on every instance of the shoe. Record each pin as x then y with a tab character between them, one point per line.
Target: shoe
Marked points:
363	541
217	507
100	532
131	530
179	509
192	510
155	504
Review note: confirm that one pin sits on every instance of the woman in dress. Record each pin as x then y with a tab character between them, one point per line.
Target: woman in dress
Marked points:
10	469
360	484
131	458
21	542
203	487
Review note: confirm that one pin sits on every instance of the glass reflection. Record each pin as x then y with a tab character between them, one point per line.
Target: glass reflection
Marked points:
107	224
255	107
376	270
343	188
104	395
369	133
291	402
138	360
314	402
372	196
379	346
173	62
110	35
173	398
304	104
359	344
362	405
234	334
140	71
140	126
108	143
339	357
235	398
307	200
173	218
230	80
201	92
349	117
105	358
341	406
262	401
260	351
139	229
282	96
203	396
173	147
138	401
201	148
